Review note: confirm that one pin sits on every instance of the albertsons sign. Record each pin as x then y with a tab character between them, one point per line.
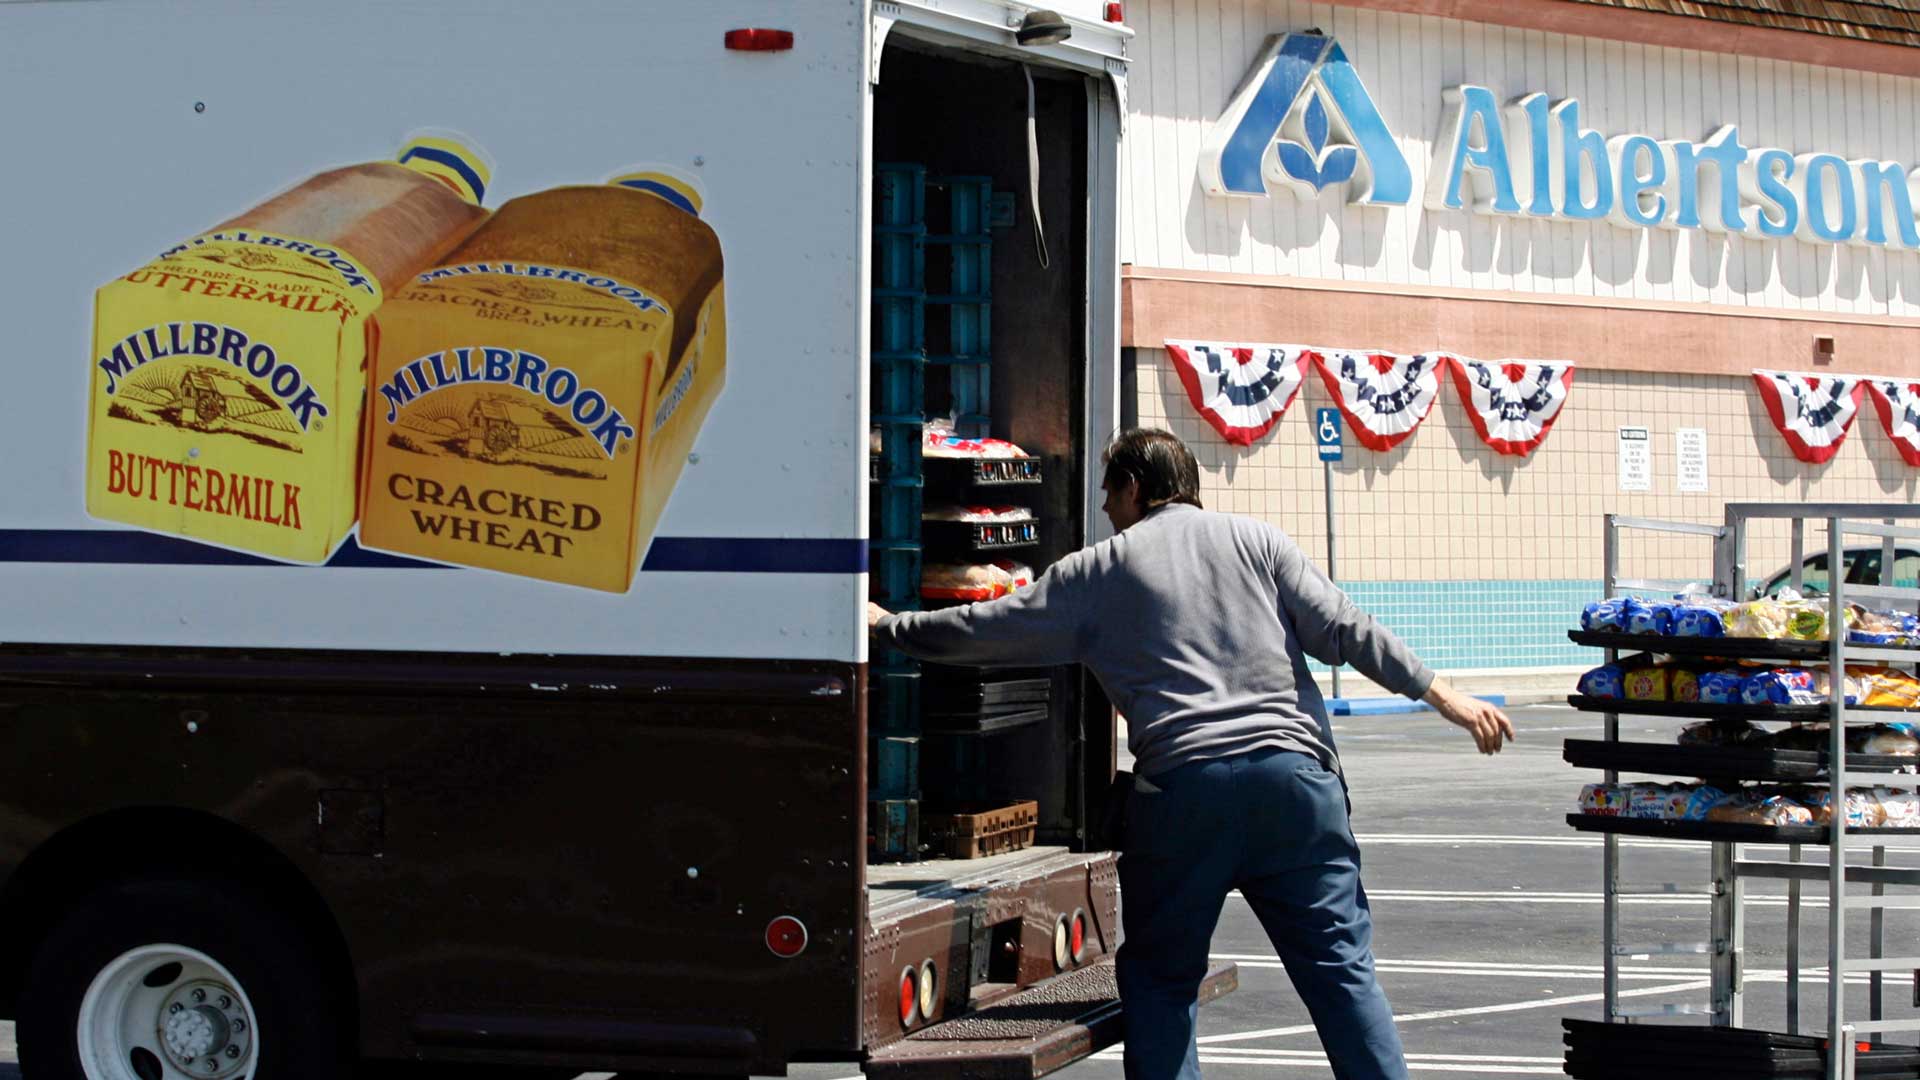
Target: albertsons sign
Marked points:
1303	120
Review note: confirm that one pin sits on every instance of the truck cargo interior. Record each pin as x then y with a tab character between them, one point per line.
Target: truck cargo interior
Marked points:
979	325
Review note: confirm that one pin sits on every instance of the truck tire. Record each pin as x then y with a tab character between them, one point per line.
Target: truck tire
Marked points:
170	978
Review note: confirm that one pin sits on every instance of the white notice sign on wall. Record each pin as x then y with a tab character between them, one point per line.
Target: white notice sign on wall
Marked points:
1636	460
1691	446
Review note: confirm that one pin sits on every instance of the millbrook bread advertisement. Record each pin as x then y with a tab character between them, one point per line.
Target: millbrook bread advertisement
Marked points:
377	356
473	328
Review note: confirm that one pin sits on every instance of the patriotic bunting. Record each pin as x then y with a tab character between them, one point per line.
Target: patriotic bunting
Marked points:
1899	407
1242	390
1513	403
1383	396
1812	412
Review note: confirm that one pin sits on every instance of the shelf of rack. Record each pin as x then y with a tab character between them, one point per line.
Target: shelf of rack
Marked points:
959	473
1703	710
1644	1052
1707	710
979	536
1721	832
1720	762
1731	648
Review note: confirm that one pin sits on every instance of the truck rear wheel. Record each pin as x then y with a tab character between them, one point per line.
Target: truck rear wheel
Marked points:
171	979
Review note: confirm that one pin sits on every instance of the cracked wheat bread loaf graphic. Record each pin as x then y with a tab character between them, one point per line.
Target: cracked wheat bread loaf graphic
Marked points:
536	395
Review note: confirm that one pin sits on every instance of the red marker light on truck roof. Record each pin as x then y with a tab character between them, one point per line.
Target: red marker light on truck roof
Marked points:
759	39
787	937
1114	14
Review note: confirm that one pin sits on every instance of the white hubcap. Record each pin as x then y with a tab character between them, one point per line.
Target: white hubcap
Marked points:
166	1012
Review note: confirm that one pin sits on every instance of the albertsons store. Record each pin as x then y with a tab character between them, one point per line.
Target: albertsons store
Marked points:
1571	269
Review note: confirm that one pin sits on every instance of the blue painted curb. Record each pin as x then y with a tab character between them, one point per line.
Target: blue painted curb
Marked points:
1382	706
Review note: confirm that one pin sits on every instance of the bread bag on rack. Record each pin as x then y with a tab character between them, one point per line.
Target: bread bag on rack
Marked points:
1721	733
1759	807
1863	808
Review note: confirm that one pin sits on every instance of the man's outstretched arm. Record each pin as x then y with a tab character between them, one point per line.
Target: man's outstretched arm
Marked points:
1036	626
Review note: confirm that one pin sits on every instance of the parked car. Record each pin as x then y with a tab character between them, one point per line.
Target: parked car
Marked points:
1863	568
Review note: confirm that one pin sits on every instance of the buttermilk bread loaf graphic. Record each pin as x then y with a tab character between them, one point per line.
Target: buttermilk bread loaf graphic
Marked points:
535	397
229	374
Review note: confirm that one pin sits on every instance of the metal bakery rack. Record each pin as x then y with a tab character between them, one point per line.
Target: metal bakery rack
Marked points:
1845	1045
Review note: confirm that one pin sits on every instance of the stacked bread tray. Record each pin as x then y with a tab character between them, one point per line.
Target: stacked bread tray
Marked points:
978	536
1597	1051
957	473
964	701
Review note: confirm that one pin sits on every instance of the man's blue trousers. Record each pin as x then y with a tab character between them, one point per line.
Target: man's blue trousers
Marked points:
1272	824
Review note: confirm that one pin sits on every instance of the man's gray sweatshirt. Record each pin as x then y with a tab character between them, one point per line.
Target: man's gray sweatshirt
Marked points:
1198	626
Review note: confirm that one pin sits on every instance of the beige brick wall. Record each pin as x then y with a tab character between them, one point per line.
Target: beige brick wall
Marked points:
1442	506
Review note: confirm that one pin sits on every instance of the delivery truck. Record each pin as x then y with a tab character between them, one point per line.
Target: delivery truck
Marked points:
451	449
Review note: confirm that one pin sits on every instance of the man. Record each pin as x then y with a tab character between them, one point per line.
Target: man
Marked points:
1198	626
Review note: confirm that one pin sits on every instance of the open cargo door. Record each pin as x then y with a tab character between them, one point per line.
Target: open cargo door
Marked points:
1016	949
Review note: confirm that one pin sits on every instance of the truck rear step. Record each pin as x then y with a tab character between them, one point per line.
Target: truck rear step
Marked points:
1035	1032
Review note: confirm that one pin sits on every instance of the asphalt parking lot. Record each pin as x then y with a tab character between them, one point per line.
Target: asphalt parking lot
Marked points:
1487	914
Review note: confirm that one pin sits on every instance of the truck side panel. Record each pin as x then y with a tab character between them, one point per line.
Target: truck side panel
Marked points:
134	128
533	871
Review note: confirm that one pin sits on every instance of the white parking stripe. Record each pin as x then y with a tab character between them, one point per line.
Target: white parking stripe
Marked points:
1388	967
1478	1010
1420	839
1516	896
1493	969
1412	1066
1497	1059
1490	965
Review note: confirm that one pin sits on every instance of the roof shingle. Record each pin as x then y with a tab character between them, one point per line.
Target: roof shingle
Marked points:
1893	22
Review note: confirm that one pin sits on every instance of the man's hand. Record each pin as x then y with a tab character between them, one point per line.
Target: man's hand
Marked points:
875	613
1488	725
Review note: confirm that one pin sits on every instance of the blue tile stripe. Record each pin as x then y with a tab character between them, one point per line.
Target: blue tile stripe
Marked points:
684	554
1458	625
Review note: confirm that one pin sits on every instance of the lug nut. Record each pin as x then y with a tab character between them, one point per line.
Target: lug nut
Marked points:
239	1024
175	1007
233	1051
199	995
226	1002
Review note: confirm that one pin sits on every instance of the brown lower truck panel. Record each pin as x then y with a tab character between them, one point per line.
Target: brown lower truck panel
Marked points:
531	860
1030	1034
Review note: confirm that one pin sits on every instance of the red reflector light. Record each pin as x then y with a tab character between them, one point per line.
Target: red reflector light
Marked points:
909	996
1079	941
787	937
760	40
1114	14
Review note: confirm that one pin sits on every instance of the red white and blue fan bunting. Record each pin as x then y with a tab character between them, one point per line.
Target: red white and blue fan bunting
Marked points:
1513	403
1383	396
1813	412
1242	390
1899	406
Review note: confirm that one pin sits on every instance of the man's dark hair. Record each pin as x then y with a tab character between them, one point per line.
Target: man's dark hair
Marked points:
1158	461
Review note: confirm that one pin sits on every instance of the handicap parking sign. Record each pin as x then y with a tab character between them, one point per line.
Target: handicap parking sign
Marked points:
1326	434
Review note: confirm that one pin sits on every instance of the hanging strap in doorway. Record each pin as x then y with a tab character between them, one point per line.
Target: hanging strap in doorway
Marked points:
1033	171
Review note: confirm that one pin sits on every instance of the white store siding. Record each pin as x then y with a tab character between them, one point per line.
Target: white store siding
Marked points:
1191	54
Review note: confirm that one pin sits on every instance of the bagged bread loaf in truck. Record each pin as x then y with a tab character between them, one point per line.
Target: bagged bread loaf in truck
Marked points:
229	372
536	395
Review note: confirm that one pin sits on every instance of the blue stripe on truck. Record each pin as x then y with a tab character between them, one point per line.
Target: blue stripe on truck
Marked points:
685	554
